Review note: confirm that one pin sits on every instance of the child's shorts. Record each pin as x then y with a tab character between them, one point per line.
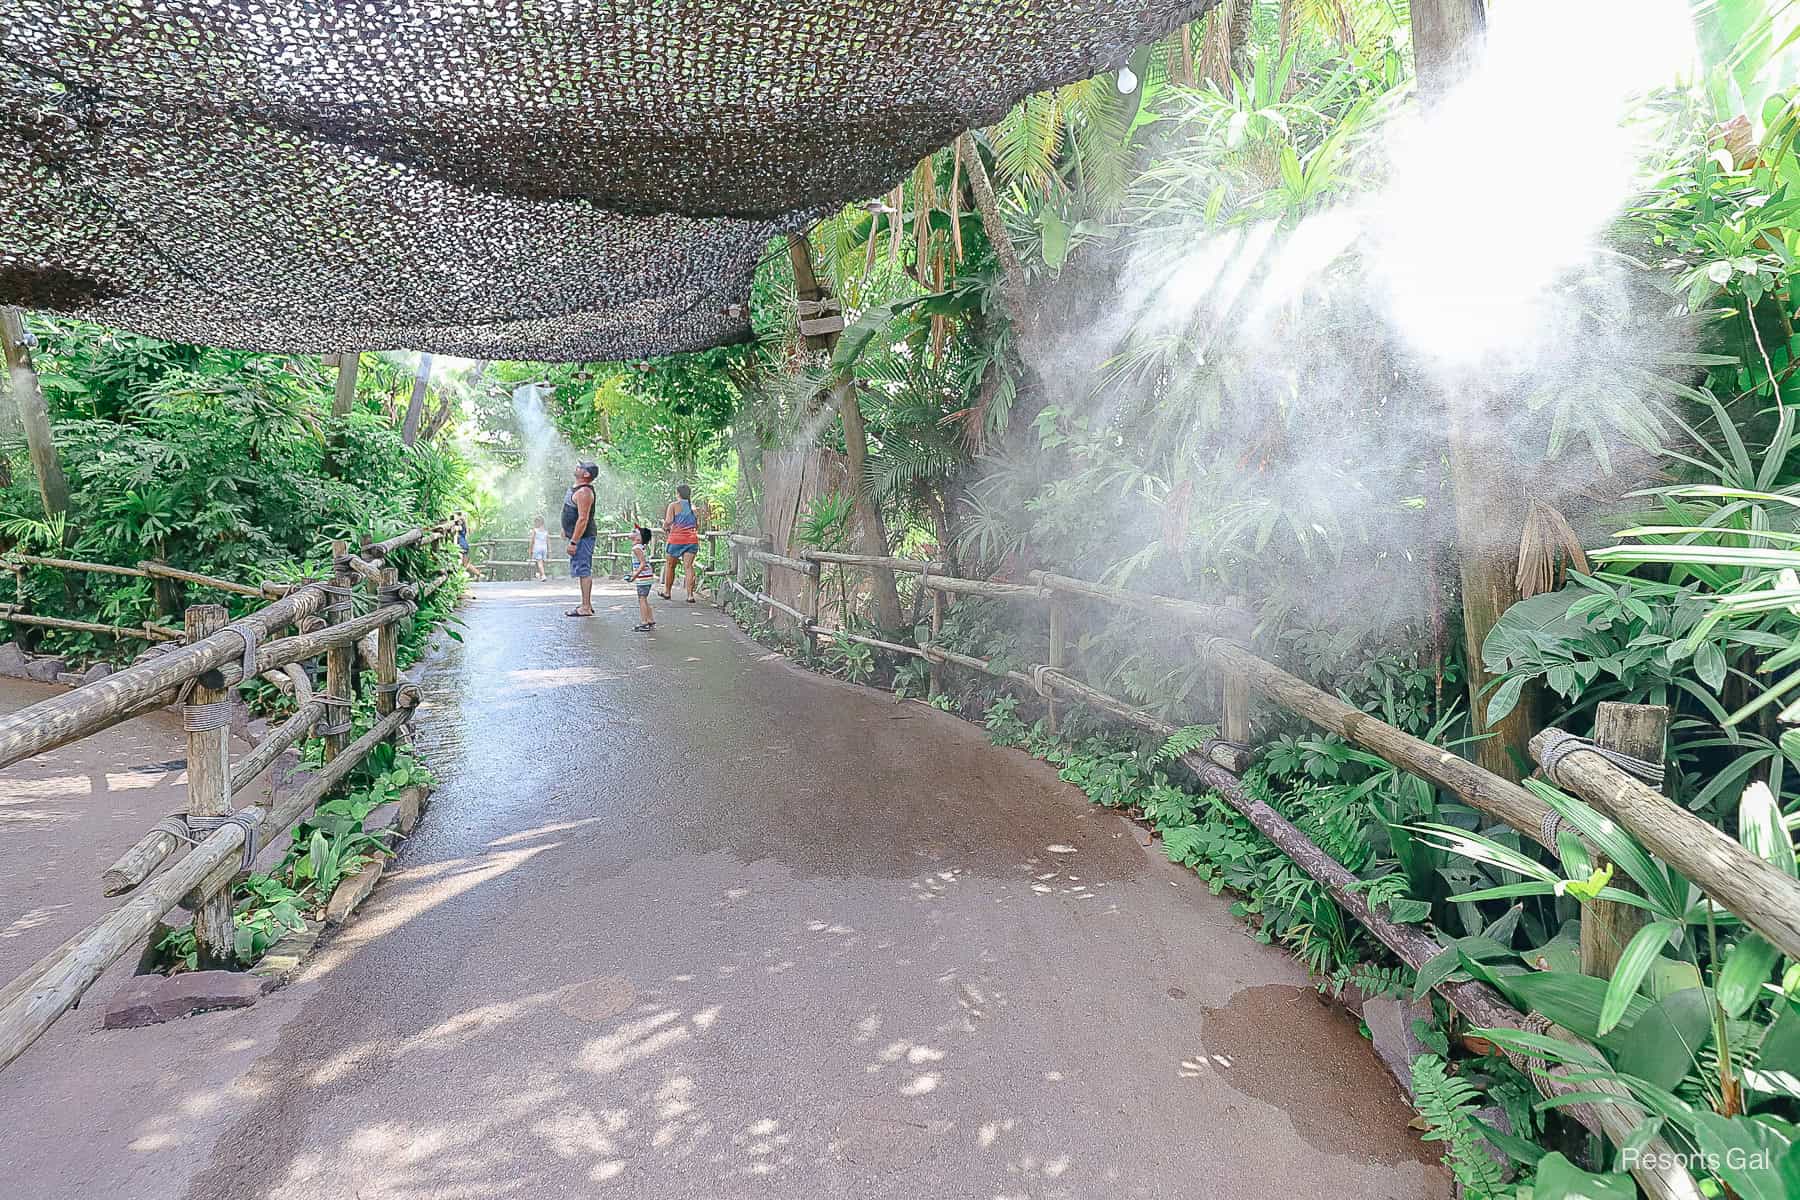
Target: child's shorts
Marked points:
643	589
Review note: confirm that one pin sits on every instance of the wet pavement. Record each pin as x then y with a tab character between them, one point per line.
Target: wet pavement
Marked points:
686	921
67	815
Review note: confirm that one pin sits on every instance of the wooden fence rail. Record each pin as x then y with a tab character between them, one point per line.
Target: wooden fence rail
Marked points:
198	674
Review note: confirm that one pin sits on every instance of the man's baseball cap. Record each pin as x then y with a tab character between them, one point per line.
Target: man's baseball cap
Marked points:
591	470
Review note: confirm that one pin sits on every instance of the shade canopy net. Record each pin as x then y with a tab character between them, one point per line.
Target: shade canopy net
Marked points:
550	179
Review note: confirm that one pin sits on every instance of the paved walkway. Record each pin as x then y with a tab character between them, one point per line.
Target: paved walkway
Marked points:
686	921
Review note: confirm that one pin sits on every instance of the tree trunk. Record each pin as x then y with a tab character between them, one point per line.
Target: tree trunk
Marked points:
349	362
856	444
856	451
1490	512
1215	47
1012	271
1446	35
1490	504
415	407
52	486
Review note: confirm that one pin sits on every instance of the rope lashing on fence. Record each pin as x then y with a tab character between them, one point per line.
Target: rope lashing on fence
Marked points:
1559	744
251	640
248	820
330	701
192	830
1538	1071
176	826
1040	680
203	718
1551	825
342	597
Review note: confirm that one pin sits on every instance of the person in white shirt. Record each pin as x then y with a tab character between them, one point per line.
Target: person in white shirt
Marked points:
540	546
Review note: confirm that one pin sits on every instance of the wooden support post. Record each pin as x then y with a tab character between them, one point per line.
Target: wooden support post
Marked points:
767	543
723	562
811	607
209	780
1059	615
340	661
1237	708
1639	730
387	648
937	629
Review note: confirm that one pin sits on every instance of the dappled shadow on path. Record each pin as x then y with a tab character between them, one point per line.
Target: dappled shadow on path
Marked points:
683	922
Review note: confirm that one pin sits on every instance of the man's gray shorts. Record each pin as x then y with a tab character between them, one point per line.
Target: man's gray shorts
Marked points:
581	563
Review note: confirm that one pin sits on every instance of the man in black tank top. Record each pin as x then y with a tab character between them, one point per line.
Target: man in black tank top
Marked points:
578	527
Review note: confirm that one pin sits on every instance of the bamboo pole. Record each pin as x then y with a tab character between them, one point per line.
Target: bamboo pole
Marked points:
365	570
1763	897
1059	615
879	644
159	570
209	781
1488	792
809	624
340	660
387	648
935	683
1209	618
148	631
72	564
301	646
981	587
139	687
1236	706
58	980
770	601
399	541
722	553
781	560
910	565
985	666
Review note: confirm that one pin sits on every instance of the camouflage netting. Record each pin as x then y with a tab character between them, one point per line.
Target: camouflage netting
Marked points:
554	179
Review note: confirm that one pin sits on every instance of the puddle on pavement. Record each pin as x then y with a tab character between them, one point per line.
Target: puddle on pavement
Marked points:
1284	1046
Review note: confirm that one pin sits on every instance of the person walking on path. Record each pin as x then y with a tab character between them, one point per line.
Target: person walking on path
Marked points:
682	527
540	546
578	527
462	543
644	576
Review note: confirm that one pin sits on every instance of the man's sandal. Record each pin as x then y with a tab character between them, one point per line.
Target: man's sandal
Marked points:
576	612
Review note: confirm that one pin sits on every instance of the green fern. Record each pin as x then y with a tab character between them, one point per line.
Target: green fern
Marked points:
34	532
1370	979
1448	1104
1186	740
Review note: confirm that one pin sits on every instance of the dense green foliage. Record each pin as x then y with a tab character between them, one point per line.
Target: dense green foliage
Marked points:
1202	384
1186	355
225	463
